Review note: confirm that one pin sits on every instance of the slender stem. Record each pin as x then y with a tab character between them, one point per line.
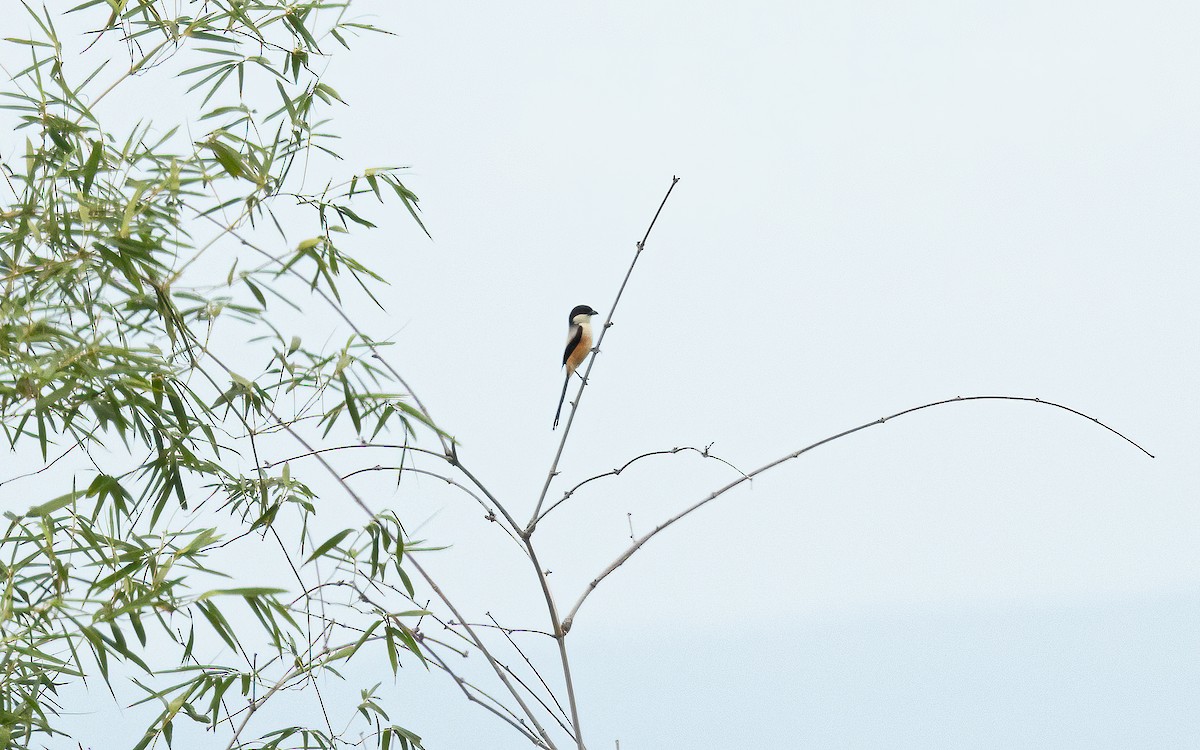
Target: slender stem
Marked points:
560	636
562	442
453	459
47	467
133	69
508	634
560	632
352	446
640	542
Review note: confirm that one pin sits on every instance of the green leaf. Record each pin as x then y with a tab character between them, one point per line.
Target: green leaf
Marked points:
328	544
130	211
405	635
93	163
57	503
247	591
230	160
351	405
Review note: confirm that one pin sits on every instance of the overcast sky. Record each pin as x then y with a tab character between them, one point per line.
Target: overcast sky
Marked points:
880	205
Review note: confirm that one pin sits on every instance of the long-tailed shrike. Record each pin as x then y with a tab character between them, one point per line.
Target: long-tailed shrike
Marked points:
579	343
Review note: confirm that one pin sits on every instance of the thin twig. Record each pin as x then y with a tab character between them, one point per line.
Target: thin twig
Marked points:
47	467
486	653
296	670
463	685
638	543
456	463
349	446
616	472
531	631
562	441
560	721
426	639
536	673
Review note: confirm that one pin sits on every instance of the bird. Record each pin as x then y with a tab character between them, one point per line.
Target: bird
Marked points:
579	343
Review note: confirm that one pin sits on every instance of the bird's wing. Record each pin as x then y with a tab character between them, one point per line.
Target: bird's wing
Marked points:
572	342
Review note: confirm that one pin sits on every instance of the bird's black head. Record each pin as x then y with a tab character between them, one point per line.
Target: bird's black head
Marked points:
581	310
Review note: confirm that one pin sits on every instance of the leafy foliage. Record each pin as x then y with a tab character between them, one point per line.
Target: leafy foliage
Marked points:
147	476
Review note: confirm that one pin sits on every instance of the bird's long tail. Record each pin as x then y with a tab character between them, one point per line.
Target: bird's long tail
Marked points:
561	398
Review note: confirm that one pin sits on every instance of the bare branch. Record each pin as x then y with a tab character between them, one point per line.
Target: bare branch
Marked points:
562	442
456	463
560	637
47	467
508	631
638	543
508	634
615	472
463	684
450	458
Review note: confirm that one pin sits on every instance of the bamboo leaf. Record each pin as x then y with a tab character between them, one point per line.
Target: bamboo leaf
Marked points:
57	503
328	544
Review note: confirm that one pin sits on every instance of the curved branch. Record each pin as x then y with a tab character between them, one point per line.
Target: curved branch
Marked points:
47	467
450	458
640	542
616	472
506	631
453	460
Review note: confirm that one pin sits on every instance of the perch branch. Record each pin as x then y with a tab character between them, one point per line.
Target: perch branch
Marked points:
562	442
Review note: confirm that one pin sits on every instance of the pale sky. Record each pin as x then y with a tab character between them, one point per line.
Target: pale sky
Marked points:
880	205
